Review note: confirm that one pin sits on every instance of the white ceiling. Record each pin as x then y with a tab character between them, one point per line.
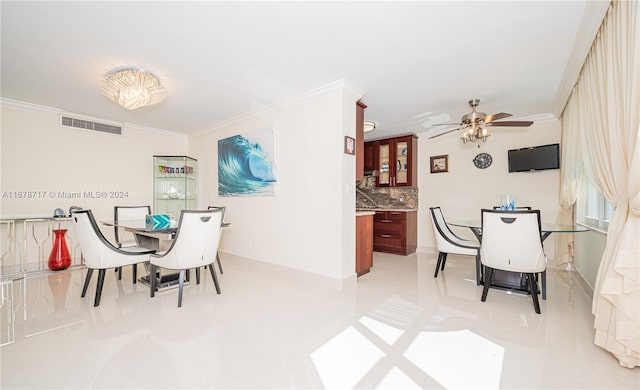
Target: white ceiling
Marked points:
219	60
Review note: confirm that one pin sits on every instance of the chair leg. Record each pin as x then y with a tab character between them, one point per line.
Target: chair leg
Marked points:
197	275
444	260
101	274
478	270
533	287
152	280
86	282
219	263
181	281
435	275
544	284
119	273
488	273
135	273
215	278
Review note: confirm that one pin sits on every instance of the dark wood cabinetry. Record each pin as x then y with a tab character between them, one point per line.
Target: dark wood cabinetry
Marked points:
369	156
394	159
364	244
395	232
360	139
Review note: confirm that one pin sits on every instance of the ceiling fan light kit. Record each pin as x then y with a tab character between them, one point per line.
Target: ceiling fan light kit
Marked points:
474	124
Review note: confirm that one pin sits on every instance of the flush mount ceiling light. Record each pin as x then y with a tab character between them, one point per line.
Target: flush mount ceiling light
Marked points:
132	87
369	126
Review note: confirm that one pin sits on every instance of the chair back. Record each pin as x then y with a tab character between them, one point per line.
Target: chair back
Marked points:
511	240
96	249
517	208
223	208
446	240
196	241
128	213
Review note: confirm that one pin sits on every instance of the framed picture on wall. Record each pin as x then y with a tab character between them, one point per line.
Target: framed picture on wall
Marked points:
349	145
440	163
247	163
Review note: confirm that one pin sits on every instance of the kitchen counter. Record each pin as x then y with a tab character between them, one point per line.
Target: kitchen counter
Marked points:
373	210
363	213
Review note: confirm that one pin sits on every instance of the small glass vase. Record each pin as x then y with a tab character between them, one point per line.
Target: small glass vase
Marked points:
59	258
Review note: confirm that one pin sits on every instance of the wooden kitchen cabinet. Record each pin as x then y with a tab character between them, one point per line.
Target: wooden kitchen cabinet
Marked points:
369	157
364	244
395	232
360	106
395	159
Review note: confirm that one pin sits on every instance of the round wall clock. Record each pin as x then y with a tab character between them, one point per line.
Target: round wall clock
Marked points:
482	160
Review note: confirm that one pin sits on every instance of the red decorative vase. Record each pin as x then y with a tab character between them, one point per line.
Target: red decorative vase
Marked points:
59	258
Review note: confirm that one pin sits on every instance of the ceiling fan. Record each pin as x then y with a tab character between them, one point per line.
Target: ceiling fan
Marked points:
474	124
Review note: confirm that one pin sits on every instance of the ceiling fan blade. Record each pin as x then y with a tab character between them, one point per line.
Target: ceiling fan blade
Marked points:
446	124
446	132
510	124
495	117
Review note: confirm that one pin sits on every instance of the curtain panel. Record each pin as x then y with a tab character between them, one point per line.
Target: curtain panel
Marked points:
602	117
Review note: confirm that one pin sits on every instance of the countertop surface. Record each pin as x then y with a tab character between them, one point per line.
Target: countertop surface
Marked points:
406	210
364	213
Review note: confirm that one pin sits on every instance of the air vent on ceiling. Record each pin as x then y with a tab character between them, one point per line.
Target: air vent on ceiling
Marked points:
68	121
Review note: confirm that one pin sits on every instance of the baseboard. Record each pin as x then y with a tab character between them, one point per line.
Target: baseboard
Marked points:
308	277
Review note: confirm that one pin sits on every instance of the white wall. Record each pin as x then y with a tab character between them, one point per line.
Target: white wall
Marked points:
310	224
37	154
588	250
465	189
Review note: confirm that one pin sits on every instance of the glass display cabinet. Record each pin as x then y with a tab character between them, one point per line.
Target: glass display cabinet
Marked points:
174	184
396	161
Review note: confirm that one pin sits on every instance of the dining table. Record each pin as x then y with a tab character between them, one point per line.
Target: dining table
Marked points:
158	239
514	281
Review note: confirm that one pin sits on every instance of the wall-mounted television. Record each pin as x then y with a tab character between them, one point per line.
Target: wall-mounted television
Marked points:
535	158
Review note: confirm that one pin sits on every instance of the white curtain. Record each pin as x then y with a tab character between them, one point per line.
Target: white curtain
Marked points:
571	175
605	109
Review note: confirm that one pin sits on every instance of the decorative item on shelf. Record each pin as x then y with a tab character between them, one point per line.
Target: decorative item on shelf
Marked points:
59	258
58	213
440	163
482	160
132	87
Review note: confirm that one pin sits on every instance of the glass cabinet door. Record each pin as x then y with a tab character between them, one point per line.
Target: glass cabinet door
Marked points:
174	185
401	163
384	172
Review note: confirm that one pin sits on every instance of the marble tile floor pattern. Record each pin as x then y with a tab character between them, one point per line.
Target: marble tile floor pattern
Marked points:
271	327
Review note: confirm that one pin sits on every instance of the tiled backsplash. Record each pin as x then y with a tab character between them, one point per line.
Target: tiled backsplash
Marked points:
385	196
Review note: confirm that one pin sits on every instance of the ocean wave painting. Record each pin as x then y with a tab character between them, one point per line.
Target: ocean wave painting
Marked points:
246	164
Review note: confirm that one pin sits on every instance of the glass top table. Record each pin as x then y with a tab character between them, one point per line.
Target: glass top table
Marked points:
547	228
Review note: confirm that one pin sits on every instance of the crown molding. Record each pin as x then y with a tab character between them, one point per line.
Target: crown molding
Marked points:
24	106
335	87
30	107
153	130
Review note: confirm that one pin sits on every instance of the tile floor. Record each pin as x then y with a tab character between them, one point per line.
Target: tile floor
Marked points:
277	328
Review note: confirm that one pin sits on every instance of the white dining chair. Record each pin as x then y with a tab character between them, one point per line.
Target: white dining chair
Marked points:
223	224
124	238
512	241
448	242
99	253
195	245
